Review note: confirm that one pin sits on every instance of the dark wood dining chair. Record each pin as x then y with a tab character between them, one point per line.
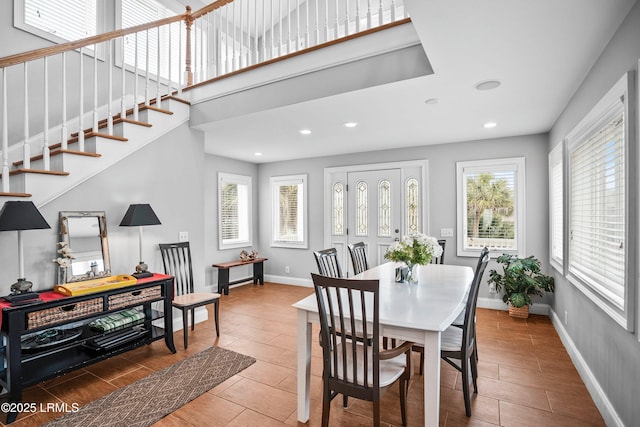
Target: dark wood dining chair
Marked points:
440	259
176	258
327	261
458	345
358	252
350	367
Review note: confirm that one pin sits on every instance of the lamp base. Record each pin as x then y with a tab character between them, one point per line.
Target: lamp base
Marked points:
21	286
141	271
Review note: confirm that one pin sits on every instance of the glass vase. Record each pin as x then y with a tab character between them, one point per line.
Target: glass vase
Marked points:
412	273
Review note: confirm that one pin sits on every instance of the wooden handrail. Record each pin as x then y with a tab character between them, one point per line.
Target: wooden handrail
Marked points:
76	44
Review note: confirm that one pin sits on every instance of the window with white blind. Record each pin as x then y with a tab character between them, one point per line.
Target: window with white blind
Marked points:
556	217
58	21
289	211
598	206
490	206
234	211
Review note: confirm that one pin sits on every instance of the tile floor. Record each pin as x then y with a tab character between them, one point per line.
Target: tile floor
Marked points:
526	377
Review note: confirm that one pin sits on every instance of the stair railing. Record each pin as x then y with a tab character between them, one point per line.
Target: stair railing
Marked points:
223	38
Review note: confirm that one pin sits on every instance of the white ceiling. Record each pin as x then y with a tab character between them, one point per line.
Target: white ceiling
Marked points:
540	50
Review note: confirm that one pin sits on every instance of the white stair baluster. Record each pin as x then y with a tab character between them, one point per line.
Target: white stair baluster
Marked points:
158	97
95	88
146	68
336	25
288	13
169	58
180	58
5	135
380	14
136	108
273	38
45	127
110	89
346	18
228	53
123	103
63	126
369	18
241	58
326	20
264	32
317	23
357	16
280	27
297	25
81	105
26	154
256	53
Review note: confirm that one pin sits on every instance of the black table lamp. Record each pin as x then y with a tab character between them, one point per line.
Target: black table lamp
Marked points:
19	216
140	215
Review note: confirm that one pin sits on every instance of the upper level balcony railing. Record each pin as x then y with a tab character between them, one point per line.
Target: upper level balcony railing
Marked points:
119	72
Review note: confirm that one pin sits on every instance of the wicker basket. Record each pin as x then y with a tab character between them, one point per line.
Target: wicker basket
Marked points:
63	313
520	312
127	299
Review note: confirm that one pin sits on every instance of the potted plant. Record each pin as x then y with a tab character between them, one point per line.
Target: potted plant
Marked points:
520	279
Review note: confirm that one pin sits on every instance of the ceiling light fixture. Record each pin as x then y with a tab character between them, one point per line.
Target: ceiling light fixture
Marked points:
488	85
350	124
305	132
257	154
490	125
432	101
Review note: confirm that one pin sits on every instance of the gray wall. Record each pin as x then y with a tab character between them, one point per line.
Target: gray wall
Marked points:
441	189
166	174
609	352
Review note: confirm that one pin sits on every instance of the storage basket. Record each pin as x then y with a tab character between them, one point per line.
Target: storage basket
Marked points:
127	299
520	312
63	313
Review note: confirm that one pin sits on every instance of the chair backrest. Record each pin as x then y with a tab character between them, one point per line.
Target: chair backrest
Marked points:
176	258
358	252
469	330
327	260
440	259
341	307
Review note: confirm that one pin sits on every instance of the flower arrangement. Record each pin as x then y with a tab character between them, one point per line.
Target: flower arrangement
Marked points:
64	255
414	249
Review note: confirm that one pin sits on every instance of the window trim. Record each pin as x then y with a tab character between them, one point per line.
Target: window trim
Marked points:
275	182
239	180
490	164
624	88
556	157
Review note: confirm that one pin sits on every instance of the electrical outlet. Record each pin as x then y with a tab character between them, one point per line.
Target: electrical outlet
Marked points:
286	269
183	236
446	232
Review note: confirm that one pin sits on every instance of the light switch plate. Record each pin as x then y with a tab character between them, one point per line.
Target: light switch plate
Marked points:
446	232
183	236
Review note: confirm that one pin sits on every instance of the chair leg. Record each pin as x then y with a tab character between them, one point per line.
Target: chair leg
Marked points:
345	401
404	388
185	327
215	313
376	413
474	372
193	319
326	406
465	385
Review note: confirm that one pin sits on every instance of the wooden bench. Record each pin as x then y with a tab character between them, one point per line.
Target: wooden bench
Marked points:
223	273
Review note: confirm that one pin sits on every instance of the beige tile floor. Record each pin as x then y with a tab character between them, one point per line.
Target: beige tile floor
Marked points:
526	377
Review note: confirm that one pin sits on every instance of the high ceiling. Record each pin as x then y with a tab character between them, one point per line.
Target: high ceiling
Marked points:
540	51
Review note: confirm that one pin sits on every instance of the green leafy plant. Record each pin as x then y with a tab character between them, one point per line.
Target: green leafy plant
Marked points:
520	279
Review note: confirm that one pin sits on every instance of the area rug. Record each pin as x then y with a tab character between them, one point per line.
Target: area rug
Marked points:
147	400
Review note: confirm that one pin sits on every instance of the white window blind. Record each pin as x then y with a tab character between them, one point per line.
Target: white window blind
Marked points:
597	228
556	216
289	211
600	231
234	210
61	20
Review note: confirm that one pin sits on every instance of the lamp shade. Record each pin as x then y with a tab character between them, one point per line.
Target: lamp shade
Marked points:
21	216
141	214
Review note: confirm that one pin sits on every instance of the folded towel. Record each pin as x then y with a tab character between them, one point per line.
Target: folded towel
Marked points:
117	320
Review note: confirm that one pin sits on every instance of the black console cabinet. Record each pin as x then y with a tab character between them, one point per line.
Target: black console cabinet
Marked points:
22	366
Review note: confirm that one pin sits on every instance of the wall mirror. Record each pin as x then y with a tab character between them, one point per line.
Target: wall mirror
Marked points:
86	235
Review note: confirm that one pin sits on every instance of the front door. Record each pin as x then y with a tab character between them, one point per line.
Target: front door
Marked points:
374	211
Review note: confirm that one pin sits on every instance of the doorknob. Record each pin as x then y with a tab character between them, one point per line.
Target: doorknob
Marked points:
396	231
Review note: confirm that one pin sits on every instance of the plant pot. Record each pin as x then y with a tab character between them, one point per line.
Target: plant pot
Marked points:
519	312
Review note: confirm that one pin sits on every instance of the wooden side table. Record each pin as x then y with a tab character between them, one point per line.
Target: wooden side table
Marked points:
223	273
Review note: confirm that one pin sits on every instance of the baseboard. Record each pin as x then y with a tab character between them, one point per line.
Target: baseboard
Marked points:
287	280
497	304
598	395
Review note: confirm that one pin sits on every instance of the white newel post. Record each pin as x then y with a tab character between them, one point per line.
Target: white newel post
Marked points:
45	127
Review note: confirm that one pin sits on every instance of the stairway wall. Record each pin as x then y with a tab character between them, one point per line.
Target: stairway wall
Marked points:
166	174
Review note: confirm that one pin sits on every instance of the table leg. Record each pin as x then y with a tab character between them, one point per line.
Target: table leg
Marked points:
304	366
223	280
258	273
431	378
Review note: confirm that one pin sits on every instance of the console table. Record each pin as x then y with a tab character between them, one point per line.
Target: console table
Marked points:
58	315
223	273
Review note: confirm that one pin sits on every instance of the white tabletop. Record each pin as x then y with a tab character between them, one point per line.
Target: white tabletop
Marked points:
431	304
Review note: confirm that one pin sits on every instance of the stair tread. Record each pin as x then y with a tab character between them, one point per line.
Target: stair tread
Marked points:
3	194
37	171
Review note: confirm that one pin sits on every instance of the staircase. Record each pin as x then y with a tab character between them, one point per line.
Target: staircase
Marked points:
162	101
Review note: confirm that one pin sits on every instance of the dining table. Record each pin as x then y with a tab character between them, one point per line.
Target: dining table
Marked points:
416	312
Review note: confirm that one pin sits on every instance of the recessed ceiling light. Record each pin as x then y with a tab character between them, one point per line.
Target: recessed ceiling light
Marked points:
350	124
490	125
432	101
487	84
305	132
257	154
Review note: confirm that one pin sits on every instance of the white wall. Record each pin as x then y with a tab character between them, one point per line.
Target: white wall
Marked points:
609	354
